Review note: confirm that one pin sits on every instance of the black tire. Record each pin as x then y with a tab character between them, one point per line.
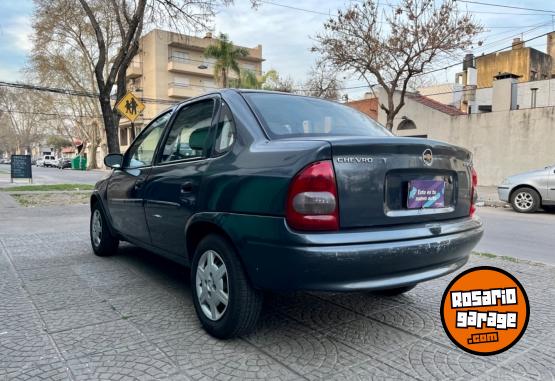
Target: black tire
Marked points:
107	244
522	197
244	302
395	291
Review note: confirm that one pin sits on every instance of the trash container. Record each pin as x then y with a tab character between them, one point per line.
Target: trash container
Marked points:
79	163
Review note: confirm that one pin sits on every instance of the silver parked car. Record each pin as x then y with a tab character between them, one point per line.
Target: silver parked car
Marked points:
528	191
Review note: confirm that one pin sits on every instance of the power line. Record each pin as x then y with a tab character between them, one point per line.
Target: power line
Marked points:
505	6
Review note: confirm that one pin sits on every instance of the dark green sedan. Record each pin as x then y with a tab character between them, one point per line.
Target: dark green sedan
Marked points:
259	191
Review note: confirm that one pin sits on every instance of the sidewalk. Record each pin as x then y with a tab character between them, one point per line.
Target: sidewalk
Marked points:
488	195
6	201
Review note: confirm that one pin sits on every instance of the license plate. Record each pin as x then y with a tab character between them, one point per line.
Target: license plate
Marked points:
426	194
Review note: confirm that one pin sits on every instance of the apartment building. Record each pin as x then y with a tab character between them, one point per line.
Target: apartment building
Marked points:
171	67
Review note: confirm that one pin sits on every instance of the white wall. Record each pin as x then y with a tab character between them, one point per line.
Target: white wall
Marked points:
447	93
503	143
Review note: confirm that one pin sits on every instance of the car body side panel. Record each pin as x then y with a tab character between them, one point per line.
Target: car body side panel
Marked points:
538	180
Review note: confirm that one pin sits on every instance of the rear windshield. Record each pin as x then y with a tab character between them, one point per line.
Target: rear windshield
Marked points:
285	116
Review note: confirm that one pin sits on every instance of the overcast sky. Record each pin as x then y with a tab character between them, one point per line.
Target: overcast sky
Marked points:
285	33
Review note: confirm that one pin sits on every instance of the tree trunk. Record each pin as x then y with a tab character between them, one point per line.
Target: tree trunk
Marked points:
110	125
389	121
224	78
91	155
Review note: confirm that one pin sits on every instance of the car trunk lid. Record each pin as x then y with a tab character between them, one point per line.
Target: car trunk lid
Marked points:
374	175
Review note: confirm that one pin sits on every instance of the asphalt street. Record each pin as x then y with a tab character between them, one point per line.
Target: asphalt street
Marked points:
43	175
524	236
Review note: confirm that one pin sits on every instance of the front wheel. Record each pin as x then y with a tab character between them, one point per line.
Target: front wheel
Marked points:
225	302
525	200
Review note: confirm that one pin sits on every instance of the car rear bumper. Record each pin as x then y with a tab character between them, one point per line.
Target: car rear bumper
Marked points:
277	258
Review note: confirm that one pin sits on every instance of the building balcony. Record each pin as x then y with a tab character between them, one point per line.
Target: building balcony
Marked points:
135	70
189	66
180	90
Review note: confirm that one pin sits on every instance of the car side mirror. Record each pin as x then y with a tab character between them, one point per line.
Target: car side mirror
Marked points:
113	160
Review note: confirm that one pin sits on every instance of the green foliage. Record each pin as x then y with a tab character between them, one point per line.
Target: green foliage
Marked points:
226	56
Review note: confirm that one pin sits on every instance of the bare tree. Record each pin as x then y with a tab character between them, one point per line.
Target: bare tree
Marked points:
128	18
275	82
394	50
63	55
24	122
322	81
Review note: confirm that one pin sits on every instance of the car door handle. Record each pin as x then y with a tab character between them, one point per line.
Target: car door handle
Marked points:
138	185
186	187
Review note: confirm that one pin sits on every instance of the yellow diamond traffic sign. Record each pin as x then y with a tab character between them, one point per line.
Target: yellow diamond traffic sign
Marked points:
130	106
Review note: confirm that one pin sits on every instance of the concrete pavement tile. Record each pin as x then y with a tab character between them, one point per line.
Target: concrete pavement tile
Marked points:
28	275
538	363
166	323
420	320
68	298
138	362
204	357
370	337
54	285
152	303
13	240
78	316
370	370
27	323
23	352
429	361
306	352
52	371
318	314
97	338
361	302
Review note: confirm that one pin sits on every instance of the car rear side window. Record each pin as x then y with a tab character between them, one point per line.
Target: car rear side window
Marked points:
285	116
225	132
190	132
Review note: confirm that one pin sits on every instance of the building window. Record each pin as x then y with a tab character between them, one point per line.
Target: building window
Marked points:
534	94
179	56
406	124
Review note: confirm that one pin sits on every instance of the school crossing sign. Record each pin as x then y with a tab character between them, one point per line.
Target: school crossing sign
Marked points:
130	106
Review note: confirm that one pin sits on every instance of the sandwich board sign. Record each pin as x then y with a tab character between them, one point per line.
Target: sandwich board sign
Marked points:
130	106
21	167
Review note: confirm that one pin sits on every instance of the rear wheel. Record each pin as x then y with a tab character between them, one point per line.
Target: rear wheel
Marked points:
102	240
525	200
395	291
225	302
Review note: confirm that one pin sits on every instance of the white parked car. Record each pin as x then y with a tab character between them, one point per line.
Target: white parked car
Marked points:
47	161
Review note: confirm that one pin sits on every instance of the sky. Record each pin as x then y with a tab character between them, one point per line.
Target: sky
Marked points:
285	29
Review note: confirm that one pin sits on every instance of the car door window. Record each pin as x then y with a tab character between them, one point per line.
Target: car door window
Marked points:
190	132
225	132
141	153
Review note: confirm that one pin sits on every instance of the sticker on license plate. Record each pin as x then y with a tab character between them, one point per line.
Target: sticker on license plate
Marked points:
426	194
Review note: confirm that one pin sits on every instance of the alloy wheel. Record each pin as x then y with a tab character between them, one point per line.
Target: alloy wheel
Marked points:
212	286
96	228
524	201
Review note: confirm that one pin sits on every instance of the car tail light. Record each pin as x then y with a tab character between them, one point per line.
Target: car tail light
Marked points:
473	192
312	203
